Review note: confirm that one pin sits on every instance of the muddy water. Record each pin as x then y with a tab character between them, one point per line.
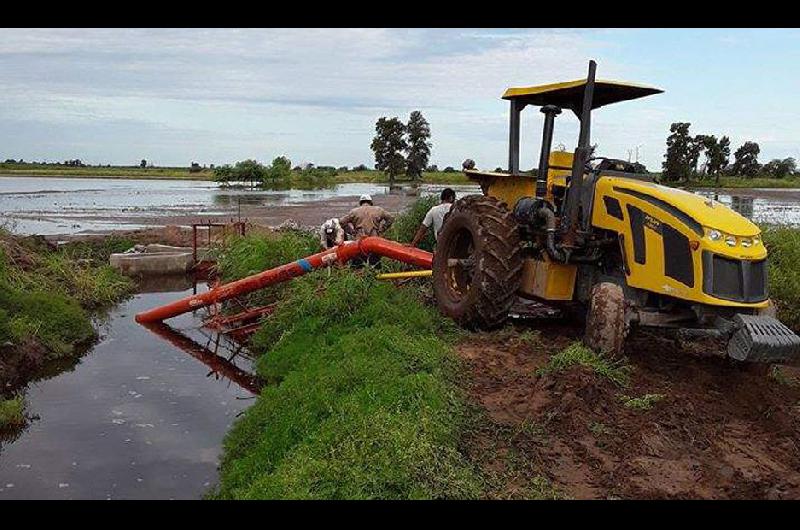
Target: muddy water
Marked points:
136	418
49	206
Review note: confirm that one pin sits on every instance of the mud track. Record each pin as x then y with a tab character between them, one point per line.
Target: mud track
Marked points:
719	432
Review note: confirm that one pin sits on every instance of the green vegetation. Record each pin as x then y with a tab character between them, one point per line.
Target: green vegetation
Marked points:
366	405
746	182
576	354
406	225
127	172
12	411
600	429
783	245
644	402
684	154
44	295
310	178
244	256
778	375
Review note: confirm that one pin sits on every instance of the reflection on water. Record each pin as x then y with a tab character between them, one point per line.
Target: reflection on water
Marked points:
136	418
762	206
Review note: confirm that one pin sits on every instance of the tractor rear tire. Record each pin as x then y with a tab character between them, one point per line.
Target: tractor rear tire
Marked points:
605	320
483	235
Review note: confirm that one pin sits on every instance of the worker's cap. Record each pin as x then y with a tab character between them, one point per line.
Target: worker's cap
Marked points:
365	197
329	226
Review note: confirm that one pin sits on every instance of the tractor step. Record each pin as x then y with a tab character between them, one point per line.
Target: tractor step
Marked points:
763	339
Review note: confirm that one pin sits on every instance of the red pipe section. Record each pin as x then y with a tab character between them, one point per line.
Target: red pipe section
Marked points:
341	253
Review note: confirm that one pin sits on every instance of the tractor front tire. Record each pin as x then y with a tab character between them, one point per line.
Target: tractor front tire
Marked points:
477	265
605	320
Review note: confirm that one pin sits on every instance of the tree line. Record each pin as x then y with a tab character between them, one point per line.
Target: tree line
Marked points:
684	153
277	175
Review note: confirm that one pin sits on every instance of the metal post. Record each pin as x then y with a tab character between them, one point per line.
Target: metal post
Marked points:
574	191
194	243
513	136
550	112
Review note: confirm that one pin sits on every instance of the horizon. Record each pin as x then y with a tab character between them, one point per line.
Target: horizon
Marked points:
216	96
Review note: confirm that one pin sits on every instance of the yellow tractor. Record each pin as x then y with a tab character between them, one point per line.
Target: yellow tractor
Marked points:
589	233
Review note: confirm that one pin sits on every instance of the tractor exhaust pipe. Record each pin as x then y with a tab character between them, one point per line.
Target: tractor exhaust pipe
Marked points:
341	254
550	112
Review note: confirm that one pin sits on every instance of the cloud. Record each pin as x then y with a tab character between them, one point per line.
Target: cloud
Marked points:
313	94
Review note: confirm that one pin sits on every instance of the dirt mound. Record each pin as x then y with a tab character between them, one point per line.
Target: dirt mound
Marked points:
687	426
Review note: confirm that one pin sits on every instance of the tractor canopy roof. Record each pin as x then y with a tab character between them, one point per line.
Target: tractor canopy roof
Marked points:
569	94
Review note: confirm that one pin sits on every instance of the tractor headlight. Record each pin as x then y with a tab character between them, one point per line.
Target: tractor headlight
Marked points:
756	240
731	241
715	235
747	242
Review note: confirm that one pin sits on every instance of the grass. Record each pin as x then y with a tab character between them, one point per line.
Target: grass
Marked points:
745	182
12	411
644	402
778	375
576	354
45	295
243	256
783	245
406	224
123	172
366	405
600	429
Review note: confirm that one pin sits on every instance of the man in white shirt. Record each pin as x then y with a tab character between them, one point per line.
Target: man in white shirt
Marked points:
435	217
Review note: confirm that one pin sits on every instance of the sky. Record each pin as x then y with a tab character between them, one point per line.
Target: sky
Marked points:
216	96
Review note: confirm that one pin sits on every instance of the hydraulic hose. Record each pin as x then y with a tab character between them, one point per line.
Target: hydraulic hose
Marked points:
341	253
558	254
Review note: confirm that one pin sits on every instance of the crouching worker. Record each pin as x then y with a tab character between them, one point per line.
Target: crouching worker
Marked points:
435	217
331	234
367	220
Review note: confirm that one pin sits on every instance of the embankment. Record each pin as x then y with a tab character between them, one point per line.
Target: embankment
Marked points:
375	395
47	298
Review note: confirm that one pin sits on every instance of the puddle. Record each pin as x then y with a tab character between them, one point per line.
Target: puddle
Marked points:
139	417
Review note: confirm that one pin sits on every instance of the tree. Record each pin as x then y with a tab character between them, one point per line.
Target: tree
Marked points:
143	163
745	162
682	153
717	153
249	171
223	173
388	146
780	168
280	172
419	146
719	157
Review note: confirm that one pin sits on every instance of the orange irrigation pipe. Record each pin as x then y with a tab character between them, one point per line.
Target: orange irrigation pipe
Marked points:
341	254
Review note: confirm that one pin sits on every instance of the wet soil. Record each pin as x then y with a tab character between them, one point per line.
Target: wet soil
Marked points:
720	432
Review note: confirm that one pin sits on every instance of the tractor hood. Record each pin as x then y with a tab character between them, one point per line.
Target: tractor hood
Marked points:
689	206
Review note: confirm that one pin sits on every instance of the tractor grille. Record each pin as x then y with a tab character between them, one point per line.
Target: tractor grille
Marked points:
735	280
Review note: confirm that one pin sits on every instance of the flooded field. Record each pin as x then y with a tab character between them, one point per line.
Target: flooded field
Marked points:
52	206
137	417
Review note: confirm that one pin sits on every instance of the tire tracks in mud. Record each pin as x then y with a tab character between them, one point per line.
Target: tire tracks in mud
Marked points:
720	432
